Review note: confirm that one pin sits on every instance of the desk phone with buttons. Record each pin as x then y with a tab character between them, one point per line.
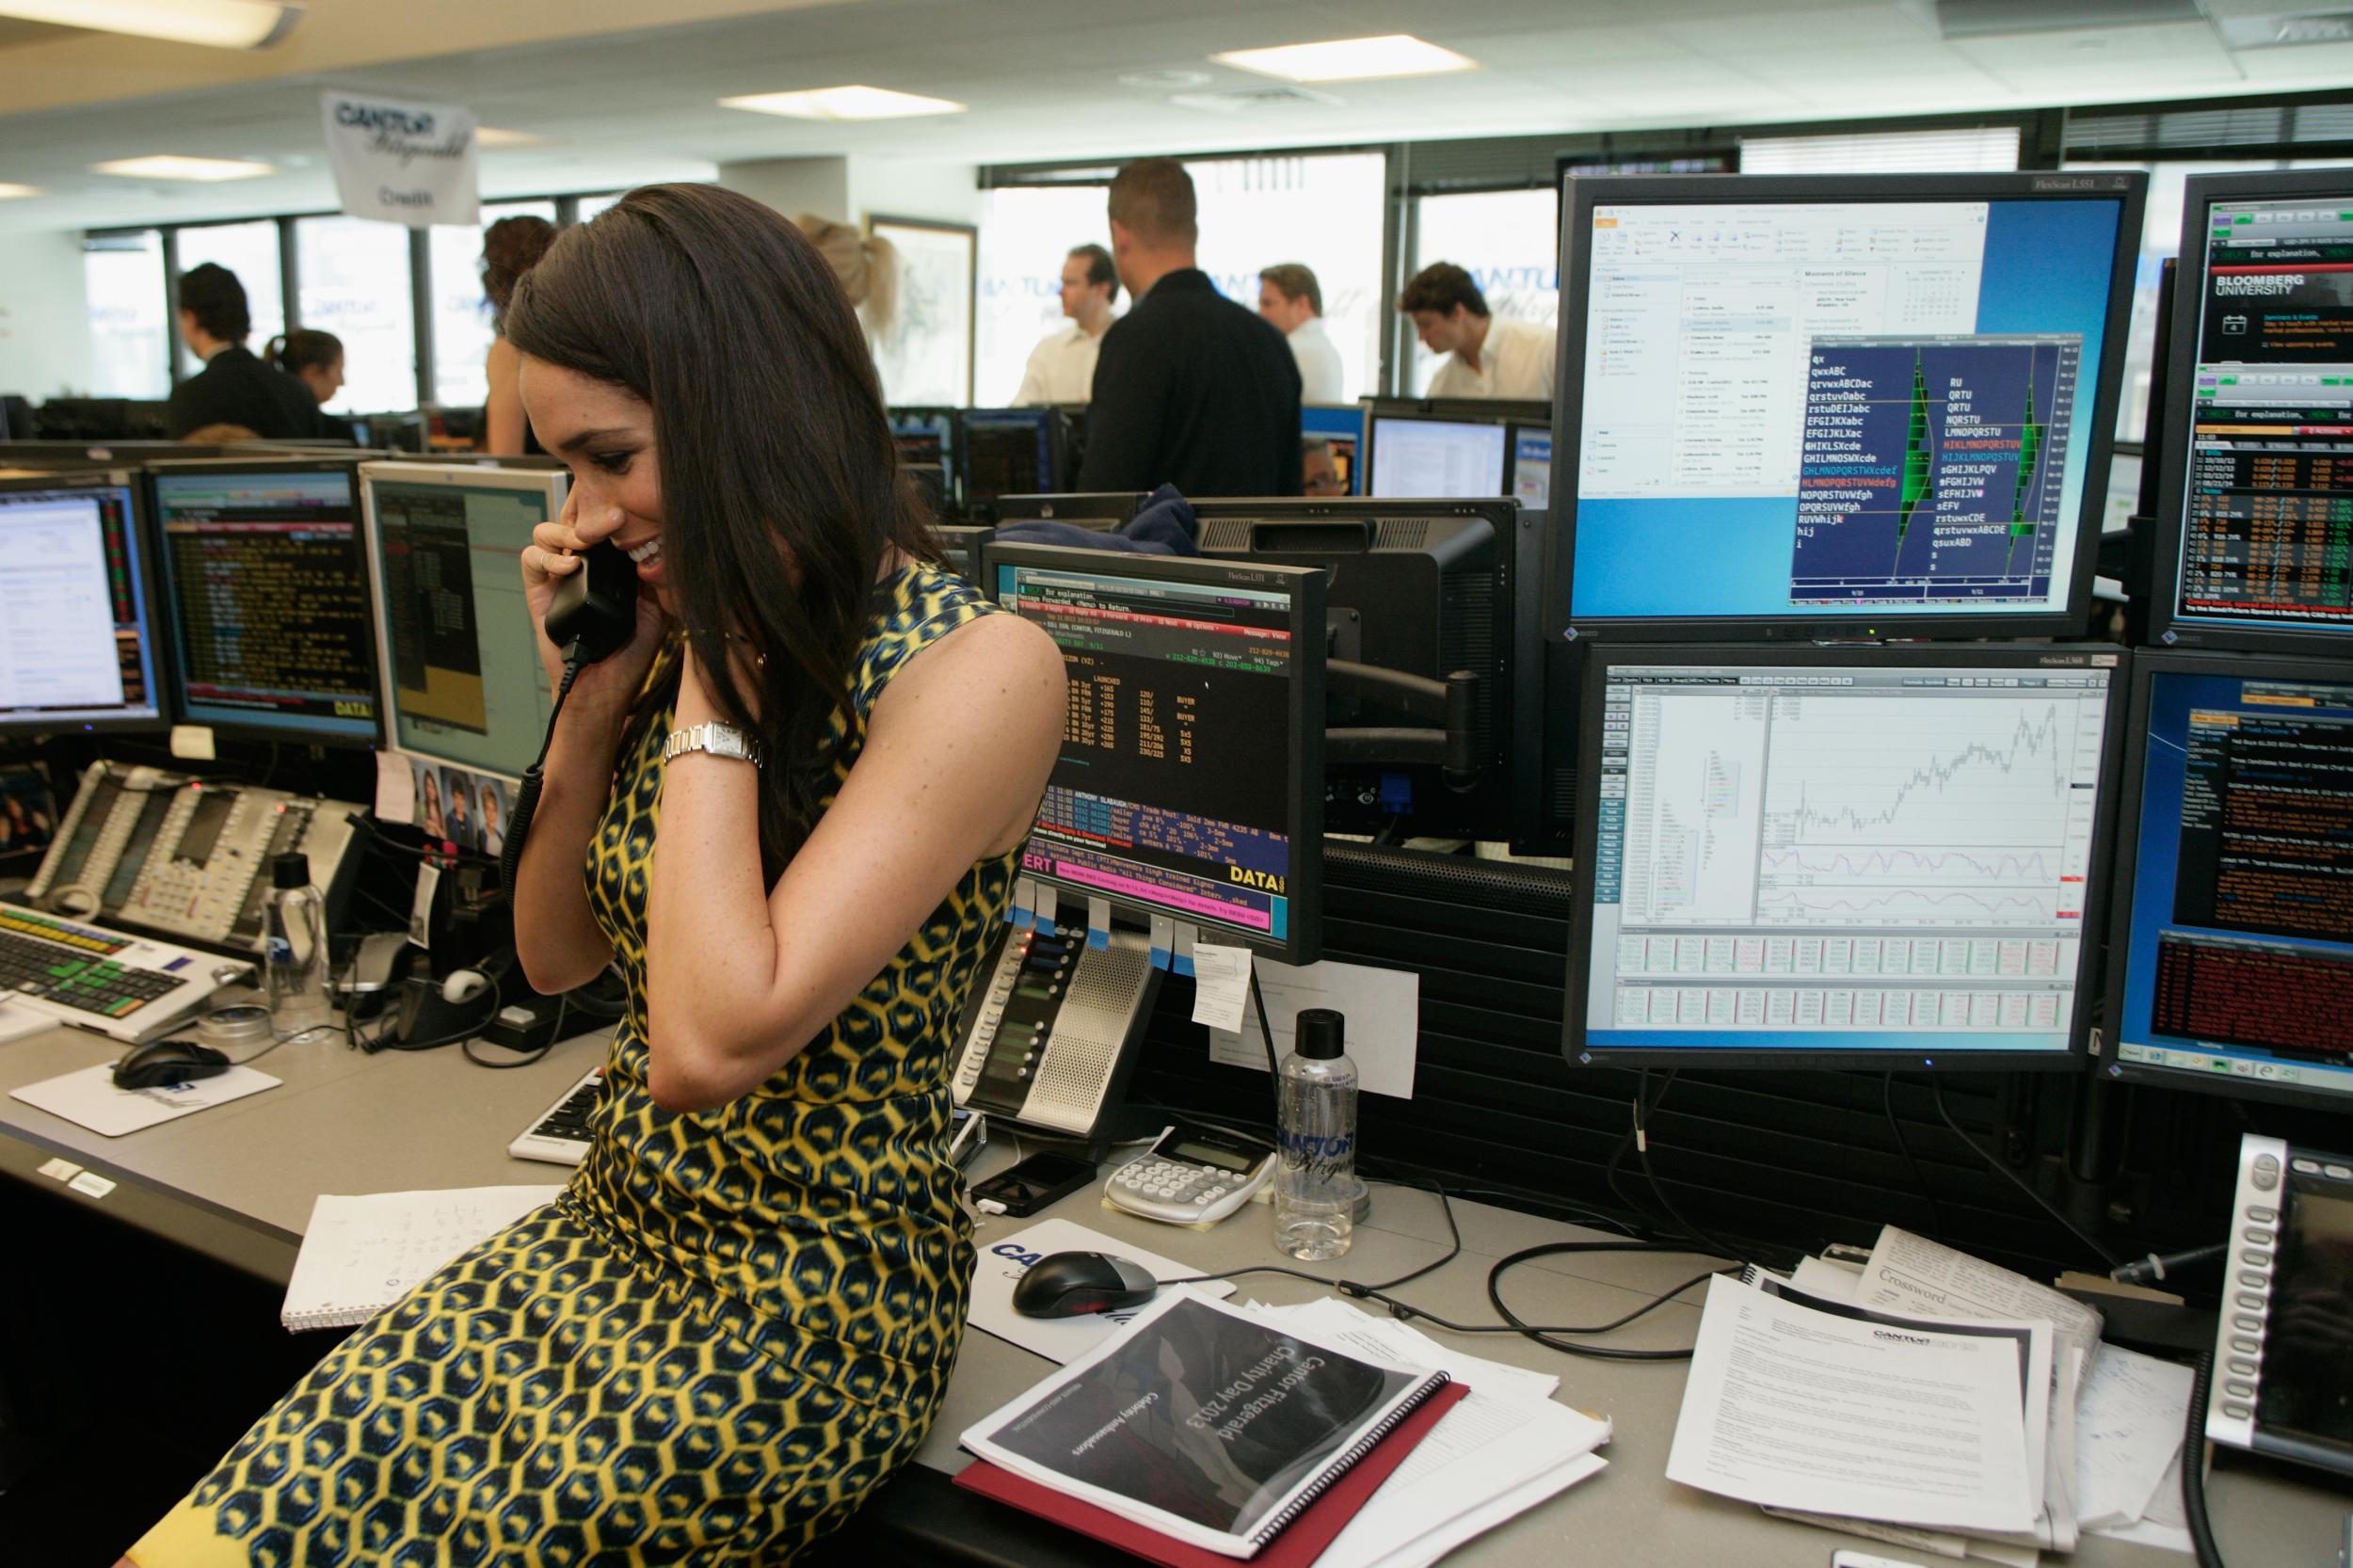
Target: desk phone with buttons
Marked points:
2283	1379
1194	1175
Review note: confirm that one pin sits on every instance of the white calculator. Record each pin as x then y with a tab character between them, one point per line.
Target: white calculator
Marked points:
1194	1176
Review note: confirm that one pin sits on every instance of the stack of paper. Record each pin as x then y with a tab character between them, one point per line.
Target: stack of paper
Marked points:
1504	1449
2128	1448
1930	1400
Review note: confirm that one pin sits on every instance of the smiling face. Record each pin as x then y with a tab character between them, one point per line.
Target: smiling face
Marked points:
604	434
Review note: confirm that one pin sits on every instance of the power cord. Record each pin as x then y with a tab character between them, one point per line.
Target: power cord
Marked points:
1642	1148
1937	1090
2202	1539
1919	1173
527	793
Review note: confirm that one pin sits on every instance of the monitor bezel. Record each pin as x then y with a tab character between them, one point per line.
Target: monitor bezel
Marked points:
2147	665
1580	195
1602	657
2167	626
138	525
1303	747
246	728
552	484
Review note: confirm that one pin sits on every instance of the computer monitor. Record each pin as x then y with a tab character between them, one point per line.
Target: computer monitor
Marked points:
960	544
2254	540
1190	785
924	435
1840	857
1414	456
1531	464
1010	451
265	594
462	679
74	607
1794	407
2231	954
1342	429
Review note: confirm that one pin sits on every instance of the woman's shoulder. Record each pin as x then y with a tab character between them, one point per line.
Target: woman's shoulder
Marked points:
921	606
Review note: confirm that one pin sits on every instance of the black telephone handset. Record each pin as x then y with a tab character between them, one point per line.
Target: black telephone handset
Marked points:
595	607
592	617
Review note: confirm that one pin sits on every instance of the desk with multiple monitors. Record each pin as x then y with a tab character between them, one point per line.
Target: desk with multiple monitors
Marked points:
1190	784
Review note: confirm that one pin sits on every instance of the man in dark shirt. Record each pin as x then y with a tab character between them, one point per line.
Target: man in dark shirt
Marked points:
1191	389
234	387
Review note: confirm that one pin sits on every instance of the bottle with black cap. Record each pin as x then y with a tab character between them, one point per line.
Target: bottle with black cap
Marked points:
1315	1176
293	955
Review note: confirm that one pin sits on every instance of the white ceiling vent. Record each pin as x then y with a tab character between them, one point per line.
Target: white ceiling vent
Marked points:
1256	100
2286	31
1959	19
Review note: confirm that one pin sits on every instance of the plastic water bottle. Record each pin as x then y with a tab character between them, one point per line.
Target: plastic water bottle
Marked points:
293	955
1315	1172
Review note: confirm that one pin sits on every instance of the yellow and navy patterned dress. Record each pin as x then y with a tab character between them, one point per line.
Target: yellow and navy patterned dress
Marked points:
729	1330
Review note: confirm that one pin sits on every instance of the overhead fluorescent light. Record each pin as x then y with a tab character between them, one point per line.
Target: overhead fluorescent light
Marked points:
171	166
848	102
219	24
491	139
9	192
1349	59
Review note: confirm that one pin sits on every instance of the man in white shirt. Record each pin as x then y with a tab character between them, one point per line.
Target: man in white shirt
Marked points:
1290	297
1485	358
1062	367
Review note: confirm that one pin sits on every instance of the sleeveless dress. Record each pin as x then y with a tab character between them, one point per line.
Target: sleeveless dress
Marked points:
729	1330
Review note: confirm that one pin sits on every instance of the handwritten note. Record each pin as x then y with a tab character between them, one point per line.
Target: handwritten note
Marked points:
362	1254
1221	985
2128	1427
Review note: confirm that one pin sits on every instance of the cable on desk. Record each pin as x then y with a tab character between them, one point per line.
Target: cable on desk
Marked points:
1919	1173
1641	1147
1266	1038
2106	1257
2202	1539
521	1058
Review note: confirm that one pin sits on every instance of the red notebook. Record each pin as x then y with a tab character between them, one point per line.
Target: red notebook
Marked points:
1299	1544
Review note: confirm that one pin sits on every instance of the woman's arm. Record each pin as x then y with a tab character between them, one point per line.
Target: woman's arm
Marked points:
503	411
739	977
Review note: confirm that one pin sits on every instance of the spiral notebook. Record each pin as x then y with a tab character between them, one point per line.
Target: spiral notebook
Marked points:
360	1255
1203	1423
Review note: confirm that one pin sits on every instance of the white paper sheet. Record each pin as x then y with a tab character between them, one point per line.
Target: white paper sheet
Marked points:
1828	1280
1912	1273
1383	1008
1427	1548
1005	1258
395	788
1221	984
2128	1430
1799	1409
89	1099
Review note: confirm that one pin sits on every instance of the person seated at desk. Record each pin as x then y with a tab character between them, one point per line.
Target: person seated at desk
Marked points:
1320	468
234	387
315	360
1191	390
1061	366
845	747
1485	358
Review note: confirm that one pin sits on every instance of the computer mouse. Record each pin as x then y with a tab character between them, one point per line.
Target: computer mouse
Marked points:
1071	1284
162	1062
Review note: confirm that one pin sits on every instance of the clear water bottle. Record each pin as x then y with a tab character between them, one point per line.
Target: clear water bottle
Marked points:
294	953
1315	1174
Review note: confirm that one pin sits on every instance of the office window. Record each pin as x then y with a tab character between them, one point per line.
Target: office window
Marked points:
251	252
355	283
1509	242
1974	150
461	316
123	275
591	205
1025	233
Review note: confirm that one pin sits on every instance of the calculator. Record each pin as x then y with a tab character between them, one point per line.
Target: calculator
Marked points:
1194	1176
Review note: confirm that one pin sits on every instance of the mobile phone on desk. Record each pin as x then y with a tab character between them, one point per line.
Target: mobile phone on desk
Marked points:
1023	1189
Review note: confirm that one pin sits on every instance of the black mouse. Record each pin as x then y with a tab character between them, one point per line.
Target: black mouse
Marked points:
1069	1284
162	1062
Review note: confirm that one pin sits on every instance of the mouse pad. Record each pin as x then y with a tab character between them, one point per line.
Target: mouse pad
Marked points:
1005	1258
89	1099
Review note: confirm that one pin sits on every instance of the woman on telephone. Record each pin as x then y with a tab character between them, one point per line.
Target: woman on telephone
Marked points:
760	1269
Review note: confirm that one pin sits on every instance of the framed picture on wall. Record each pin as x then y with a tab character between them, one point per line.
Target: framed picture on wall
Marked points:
926	355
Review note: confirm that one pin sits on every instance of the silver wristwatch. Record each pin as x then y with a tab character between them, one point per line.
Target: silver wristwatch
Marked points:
720	739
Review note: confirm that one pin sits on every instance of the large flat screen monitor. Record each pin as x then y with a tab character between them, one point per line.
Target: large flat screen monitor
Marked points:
76	645
1848	405
2254	544
1190	780
1859	856
2231	960
462	679
265	591
1437	459
1010	451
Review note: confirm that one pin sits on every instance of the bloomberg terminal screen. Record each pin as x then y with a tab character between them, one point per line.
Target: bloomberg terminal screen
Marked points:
2267	515
2240	955
1165	796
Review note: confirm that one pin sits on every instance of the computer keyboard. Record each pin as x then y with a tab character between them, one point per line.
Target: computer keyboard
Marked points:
560	1135
73	972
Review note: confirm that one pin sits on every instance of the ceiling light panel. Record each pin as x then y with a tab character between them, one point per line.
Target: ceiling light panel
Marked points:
1350	59
171	166
11	193
844	103
219	24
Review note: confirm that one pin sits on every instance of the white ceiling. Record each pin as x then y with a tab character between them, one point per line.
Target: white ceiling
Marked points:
1041	77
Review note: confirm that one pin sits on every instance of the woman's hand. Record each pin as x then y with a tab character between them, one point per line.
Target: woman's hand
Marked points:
604	690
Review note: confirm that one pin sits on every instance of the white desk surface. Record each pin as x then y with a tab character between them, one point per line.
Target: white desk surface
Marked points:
236	1182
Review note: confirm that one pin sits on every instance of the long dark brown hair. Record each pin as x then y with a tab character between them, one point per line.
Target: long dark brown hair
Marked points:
781	489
